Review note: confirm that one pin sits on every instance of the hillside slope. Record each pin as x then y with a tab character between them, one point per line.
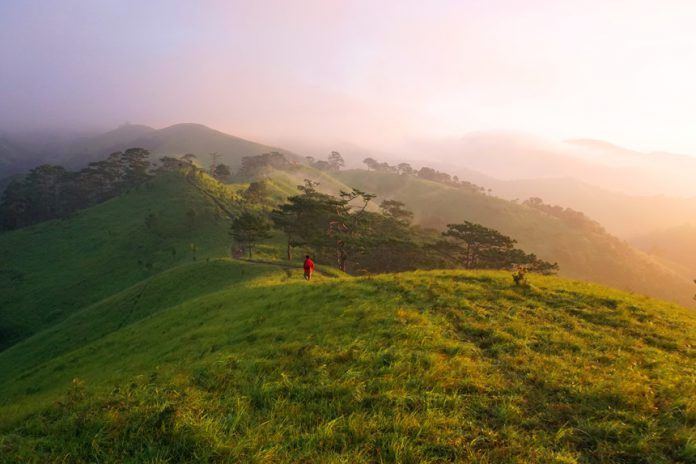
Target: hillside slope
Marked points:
224	361
622	215
201	141
133	340
20	154
673	244
52	269
582	252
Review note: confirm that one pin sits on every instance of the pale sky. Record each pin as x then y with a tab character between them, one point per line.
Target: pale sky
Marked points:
374	72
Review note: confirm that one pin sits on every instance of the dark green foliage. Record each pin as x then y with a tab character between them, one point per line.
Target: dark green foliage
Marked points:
574	218
397	211
257	193
135	165
249	228
434	175
371	163
41	195
52	269
479	247
50	192
342	229
222	172
170	164
319	221
253	166
334	162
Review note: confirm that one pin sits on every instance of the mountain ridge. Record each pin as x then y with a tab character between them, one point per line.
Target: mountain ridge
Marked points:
177	139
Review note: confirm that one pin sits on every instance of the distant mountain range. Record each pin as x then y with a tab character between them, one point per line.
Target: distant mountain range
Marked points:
628	192
18	154
509	156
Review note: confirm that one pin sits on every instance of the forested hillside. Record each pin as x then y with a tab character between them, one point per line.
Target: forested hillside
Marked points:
580	246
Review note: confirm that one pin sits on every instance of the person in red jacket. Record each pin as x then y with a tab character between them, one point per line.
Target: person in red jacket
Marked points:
308	268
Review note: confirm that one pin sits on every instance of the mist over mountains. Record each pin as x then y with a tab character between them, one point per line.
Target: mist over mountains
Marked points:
638	197
20	153
628	192
110	291
514	156
493	157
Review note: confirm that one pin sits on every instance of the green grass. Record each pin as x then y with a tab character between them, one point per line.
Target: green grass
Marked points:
437	366
218	360
50	270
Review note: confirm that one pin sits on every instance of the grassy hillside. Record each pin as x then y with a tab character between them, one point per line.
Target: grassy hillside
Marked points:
200	140
224	361
581	253
623	215
287	180
673	244
178	139
50	270
19	154
128	337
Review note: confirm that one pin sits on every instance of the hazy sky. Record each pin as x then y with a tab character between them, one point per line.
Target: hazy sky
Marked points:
374	71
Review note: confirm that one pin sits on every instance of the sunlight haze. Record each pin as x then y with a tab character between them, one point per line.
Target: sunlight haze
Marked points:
355	231
375	73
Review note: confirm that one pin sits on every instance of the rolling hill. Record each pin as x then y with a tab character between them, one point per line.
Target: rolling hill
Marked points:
128	351
672	244
49	270
226	361
179	139
625	216
582	250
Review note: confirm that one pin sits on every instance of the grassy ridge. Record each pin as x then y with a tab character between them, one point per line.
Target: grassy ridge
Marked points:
418	367
41	362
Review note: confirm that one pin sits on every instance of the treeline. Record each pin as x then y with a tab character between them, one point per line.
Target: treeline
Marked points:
577	219
255	165
344	230
50	192
425	172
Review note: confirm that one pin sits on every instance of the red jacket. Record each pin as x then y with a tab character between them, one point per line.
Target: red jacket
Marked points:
308	265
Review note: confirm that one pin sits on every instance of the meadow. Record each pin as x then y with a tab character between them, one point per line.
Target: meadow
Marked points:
129	336
256	365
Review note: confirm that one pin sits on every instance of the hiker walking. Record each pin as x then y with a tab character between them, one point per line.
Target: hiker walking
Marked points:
308	268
